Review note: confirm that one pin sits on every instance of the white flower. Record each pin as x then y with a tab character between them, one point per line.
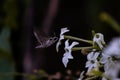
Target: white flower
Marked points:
113	72
92	60
106	60
68	49
63	30
81	76
111	67
113	49
99	40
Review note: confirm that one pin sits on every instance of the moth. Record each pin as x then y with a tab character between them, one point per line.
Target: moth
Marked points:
44	41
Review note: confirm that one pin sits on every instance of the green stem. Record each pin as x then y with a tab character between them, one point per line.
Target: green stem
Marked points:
79	48
78	39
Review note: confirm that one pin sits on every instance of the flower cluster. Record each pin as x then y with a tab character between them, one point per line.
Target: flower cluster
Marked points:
103	61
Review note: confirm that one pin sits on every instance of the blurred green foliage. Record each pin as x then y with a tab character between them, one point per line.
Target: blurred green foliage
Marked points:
105	17
6	62
8	21
4	40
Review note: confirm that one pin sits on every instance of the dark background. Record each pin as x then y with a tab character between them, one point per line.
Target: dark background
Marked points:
80	16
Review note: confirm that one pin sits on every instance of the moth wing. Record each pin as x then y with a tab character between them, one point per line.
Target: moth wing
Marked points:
39	35
43	40
39	46
51	41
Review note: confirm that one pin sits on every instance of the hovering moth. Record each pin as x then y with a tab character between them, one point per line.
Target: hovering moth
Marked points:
44	41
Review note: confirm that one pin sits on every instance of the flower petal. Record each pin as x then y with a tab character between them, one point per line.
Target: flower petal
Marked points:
65	61
73	44
104	58
96	54
67	54
89	68
88	63
57	45
66	43
113	49
68	48
90	55
70	56
64	30
59	42
95	64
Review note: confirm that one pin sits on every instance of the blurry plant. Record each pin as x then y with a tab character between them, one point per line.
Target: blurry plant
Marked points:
6	60
8	21
103	60
105	17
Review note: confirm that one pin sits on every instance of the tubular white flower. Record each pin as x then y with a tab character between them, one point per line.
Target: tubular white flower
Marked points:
92	60
63	30
68	49
99	40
